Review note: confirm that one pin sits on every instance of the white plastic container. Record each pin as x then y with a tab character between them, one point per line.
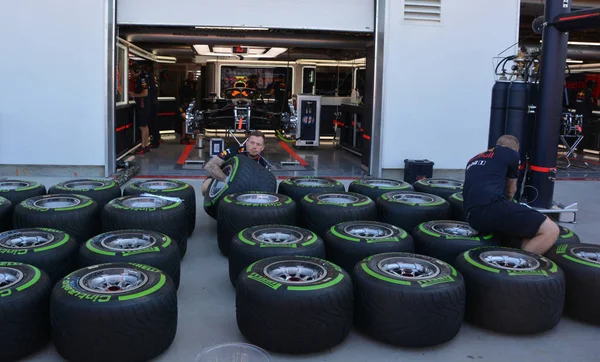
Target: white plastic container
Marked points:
233	352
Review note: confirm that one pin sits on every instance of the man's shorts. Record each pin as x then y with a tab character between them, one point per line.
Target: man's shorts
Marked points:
142	115
506	219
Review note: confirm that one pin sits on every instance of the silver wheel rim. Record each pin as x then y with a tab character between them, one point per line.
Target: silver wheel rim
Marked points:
257	198
447	228
509	260
113	280
277	236
159	185
295	272
12	185
338	198
26	239
84	184
445	183
413	198
9	277
128	241
217	185
312	182
408	268
382	183
593	256
56	202
145	202
369	231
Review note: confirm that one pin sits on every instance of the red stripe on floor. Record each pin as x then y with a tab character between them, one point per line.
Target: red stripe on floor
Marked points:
167	114
185	154
124	127
293	154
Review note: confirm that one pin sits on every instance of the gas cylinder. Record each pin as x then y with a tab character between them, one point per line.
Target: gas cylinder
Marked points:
498	111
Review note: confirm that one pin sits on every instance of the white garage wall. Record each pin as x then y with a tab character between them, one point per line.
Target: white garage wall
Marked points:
353	15
52	109
438	80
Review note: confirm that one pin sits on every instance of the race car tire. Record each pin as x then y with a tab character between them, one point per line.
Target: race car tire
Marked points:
407	209
24	318
443	188
375	187
457	205
567	236
264	241
321	210
101	191
349	242
308	298
408	300
246	209
446	239
169	188
300	186
17	191
113	312
148	213
133	246
511	290
581	265
50	250
76	215
6	212
243	174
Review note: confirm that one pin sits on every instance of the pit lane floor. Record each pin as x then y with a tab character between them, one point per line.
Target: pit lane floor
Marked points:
207	308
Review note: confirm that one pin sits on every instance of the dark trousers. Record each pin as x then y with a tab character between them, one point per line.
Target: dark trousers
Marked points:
153	124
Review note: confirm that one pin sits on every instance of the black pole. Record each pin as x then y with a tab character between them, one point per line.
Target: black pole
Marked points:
542	169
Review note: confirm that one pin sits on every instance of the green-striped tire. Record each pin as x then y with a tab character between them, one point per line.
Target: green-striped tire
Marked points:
443	188
6	210
567	236
457	205
407	209
16	191
375	187
100	190
299	186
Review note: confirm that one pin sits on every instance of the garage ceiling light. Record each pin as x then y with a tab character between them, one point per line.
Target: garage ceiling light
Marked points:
253	52
574	61
271	53
205	50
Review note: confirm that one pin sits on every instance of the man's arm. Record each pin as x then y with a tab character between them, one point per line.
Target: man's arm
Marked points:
511	188
213	167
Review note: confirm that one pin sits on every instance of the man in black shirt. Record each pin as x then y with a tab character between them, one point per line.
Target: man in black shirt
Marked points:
153	119
490	185
142	106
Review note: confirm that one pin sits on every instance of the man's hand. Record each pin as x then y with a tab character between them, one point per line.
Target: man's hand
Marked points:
213	167
511	188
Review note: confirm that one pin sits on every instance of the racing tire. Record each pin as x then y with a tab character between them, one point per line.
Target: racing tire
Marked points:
133	246
408	300
407	209
457	206
243	174
148	213
567	236
6	211
169	188
17	191
264	241
375	187
447	239
246	209
76	215
511	291
50	250
300	186
96	316
349	242
101	191
24	317
305	297
581	265
321	210
443	188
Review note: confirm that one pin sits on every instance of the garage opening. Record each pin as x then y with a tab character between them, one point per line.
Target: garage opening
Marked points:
308	91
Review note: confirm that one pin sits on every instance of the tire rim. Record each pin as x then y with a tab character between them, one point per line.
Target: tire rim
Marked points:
509	260
113	280
413	198
295	272
587	255
12	185
57	202
26	239
257	198
444	183
369	231
277	236
447	228
338	198
382	183
128	241
9	277
312	182
408	268
83	184
158	185
145	202
217	186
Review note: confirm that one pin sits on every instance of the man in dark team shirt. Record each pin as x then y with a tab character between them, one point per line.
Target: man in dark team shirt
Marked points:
142	106
490	185
255	144
153	101
183	139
